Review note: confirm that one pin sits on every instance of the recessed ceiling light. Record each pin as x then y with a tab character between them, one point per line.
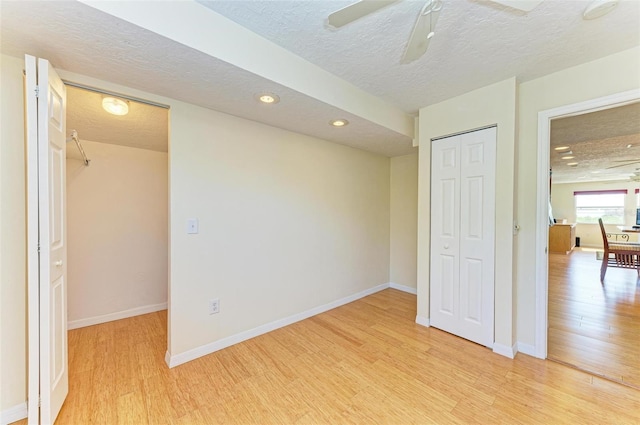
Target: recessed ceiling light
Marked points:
339	122
598	8
115	106
268	98
572	164
568	157
561	148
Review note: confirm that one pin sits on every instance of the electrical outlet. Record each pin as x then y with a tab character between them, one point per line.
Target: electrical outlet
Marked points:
214	306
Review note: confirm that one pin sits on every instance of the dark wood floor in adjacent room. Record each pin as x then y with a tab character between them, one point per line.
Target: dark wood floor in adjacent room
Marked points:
594	326
364	363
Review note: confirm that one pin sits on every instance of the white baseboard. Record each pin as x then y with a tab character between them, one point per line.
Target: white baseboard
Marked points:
529	350
424	321
96	320
505	350
403	288
203	350
13	414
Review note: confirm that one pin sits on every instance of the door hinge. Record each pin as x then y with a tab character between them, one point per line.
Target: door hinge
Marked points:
38	248
37	91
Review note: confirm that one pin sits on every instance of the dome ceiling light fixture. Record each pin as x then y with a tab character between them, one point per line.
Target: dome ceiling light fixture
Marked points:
115	106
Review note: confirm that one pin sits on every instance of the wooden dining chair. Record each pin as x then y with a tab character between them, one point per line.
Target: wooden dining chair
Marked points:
618	252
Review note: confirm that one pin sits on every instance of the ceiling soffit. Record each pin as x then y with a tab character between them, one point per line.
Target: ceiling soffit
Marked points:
230	42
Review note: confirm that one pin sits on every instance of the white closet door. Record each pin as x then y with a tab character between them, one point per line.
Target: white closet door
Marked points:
477	235
463	235
445	233
46	140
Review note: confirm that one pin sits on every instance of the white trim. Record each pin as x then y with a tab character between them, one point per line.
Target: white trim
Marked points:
542	220
528	349
403	288
33	281
505	350
96	320
424	321
13	414
203	350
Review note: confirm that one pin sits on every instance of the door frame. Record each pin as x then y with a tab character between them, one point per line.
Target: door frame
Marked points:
542	213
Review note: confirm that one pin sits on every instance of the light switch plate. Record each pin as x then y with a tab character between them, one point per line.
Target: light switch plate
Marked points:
192	226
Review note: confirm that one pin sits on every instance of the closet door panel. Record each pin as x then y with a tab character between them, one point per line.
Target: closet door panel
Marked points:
471	291
477	235
445	231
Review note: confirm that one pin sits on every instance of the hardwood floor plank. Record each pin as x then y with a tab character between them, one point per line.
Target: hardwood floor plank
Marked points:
592	325
366	362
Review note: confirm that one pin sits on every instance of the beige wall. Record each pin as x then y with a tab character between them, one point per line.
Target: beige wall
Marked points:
609	75
287	223
117	228
562	201
13	326
404	220
490	105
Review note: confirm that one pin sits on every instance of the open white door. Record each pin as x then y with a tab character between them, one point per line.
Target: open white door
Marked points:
47	250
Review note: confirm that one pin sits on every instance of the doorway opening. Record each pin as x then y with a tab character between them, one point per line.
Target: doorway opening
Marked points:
46	119
595	163
545	261
117	209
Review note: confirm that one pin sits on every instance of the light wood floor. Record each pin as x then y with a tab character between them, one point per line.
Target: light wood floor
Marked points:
593	326
365	363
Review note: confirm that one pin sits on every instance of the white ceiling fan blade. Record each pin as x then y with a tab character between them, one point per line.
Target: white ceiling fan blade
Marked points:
355	11
422	32
524	5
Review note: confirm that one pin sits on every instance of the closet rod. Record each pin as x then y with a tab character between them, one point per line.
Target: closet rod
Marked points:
74	137
110	93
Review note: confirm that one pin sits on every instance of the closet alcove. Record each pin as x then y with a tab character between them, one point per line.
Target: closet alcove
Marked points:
117	208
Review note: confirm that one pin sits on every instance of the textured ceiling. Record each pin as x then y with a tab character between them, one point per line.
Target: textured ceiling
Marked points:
598	140
144	127
476	43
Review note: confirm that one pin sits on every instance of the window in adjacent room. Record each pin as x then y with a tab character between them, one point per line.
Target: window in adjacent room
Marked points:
594	204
